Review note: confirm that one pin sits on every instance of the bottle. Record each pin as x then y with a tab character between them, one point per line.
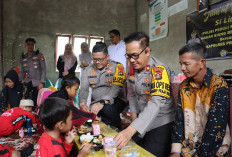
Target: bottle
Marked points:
21	133
29	127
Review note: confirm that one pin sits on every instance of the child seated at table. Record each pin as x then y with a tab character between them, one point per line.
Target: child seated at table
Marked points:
56	116
13	119
12	93
68	91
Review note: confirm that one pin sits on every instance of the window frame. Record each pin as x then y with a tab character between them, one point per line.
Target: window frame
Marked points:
72	41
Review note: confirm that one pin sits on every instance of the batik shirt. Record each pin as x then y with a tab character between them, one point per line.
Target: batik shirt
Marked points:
201	123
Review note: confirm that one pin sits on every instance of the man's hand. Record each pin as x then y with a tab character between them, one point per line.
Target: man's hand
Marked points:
133	116
96	108
175	155
40	86
70	136
84	107
124	136
65	73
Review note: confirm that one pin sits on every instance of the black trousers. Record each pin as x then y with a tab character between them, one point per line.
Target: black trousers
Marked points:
32	93
110	114
157	141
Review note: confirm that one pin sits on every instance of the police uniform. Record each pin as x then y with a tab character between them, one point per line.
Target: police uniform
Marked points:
106	84
35	68
150	97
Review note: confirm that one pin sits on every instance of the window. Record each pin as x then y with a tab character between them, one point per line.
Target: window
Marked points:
75	40
93	40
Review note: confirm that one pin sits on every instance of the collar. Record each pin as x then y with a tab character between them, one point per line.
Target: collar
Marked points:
208	77
206	80
45	135
148	67
118	43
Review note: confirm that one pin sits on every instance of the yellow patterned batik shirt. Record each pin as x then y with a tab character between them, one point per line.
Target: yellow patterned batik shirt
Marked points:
201	123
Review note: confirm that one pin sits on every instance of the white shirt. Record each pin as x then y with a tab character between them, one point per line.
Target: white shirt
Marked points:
117	53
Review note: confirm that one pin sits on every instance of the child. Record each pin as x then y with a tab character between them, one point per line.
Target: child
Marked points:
13	119
56	115
12	93
68	91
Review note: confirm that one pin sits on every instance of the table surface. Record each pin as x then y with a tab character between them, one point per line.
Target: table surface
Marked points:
108	131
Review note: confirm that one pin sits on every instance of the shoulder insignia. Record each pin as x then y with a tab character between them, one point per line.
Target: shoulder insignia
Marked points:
148	68
108	65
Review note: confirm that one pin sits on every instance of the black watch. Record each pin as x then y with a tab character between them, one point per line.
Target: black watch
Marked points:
102	102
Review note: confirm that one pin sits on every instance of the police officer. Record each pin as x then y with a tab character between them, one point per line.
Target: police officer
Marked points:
106	78
150	98
33	64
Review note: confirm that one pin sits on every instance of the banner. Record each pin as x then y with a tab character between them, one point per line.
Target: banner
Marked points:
213	28
158	19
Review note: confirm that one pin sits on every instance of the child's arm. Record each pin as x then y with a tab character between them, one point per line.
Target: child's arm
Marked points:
83	113
84	150
69	137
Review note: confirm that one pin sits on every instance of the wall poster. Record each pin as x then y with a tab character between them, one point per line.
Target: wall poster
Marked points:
213	28
158	19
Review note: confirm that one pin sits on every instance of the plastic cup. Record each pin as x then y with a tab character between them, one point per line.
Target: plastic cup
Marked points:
129	151
111	149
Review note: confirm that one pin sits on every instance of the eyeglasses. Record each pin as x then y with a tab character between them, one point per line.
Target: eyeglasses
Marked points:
134	56
98	59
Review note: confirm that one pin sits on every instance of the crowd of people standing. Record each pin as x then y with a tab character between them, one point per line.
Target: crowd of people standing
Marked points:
126	74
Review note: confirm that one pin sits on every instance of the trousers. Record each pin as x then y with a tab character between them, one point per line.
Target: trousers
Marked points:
157	141
110	113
